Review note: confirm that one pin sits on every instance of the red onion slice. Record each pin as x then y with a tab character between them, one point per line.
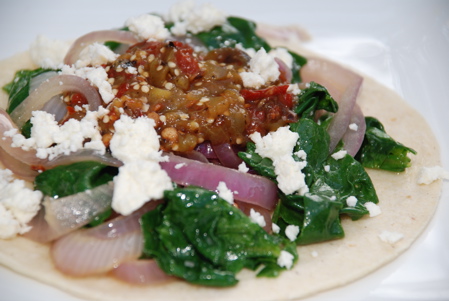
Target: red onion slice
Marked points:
55	86
100	249
343	85
18	168
141	272
83	155
63	215
101	36
27	157
248	188
226	155
353	138
81	254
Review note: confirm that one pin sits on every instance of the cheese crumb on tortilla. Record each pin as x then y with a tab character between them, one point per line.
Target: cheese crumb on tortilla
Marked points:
428	175
391	237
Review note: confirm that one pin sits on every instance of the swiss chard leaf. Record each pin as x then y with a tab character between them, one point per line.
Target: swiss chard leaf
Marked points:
314	98
235	31
380	151
263	166
200	237
330	183
19	88
66	180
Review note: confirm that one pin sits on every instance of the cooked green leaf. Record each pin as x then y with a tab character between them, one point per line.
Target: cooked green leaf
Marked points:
380	151
200	237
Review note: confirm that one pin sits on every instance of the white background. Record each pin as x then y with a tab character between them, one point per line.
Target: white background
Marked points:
404	44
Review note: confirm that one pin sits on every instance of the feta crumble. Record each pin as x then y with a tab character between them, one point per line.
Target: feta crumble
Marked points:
285	260
51	140
263	69
48	53
292	232
275	228
373	209
339	155
391	237
225	193
141	178
257	218
353	127
428	175
18	205
243	168
278	146
187	17
351	201
282	54
147	27
95	54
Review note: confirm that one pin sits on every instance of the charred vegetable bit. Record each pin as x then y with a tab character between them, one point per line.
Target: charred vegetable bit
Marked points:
203	239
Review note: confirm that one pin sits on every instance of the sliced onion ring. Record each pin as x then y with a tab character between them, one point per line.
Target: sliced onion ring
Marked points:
27	157
101	36
226	155
54	86
353	138
141	272
248	188
61	216
97	250
344	86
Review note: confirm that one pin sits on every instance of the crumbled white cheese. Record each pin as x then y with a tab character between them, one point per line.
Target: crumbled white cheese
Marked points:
292	232
351	201
263	69
97	76
275	228
95	54
180	165
188	17
138	182
339	155
51	140
428	175
243	168
141	178
327	168
135	140
294	89
257	218
391	237
251	52
374	209
18	205
353	127
285	260
278	146
282	54
301	154
147	27
48	53
225	193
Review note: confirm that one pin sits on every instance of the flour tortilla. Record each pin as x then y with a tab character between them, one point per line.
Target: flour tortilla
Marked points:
406	208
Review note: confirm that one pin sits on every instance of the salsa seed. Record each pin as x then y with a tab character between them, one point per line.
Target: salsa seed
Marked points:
145	89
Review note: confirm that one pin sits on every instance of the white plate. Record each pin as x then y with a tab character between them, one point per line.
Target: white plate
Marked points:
404	44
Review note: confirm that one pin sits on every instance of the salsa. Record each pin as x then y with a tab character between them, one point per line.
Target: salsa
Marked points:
192	96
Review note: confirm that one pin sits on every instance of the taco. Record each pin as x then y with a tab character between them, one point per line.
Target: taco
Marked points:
358	236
